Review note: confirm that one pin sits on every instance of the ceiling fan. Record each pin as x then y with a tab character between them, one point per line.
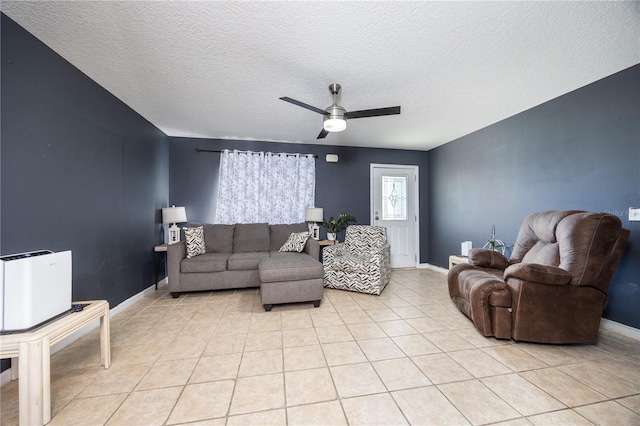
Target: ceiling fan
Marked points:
335	116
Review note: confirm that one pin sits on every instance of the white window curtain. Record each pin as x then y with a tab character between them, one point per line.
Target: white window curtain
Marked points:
257	187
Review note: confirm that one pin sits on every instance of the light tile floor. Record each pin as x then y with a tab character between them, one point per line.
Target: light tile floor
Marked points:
405	357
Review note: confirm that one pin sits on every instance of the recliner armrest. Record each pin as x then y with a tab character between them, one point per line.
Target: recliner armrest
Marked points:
485	258
535	272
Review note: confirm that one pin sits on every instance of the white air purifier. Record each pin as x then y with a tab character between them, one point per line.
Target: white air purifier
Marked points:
465	247
36	287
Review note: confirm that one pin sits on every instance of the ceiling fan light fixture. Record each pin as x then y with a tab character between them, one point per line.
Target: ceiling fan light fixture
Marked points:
334	119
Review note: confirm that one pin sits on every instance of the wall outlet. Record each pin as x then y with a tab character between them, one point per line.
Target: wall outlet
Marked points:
634	214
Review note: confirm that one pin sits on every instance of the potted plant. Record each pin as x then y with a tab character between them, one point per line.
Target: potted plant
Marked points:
495	244
336	225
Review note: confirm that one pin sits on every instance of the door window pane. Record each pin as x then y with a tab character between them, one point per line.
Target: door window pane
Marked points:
394	197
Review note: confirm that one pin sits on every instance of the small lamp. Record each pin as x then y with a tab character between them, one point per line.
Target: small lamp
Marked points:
314	214
174	215
335	117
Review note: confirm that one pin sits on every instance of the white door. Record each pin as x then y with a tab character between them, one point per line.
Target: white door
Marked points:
394	205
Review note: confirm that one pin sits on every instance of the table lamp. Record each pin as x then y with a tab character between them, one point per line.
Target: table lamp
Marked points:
314	214
174	215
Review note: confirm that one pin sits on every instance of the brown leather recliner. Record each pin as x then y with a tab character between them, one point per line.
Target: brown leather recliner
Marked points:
553	288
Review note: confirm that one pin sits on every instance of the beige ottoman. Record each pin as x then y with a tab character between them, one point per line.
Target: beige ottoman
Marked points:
290	278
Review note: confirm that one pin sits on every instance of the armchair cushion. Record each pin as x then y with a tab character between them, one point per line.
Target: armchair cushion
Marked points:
351	264
543	274
330	253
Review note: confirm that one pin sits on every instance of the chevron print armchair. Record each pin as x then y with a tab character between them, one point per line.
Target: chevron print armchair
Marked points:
361	263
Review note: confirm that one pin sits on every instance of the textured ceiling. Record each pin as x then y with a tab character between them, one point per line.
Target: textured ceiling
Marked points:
217	69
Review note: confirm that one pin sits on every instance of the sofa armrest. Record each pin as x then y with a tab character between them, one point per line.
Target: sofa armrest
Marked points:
312	248
374	260
537	273
487	259
380	259
329	253
175	253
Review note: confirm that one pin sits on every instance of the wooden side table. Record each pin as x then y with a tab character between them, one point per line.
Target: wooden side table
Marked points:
454	259
31	351
159	250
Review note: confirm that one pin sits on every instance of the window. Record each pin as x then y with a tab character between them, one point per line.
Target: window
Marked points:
394	198
256	187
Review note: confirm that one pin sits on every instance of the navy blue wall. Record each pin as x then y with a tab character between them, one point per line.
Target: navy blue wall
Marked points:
578	151
80	171
341	187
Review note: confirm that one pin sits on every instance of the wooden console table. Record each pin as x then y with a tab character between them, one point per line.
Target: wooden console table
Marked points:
325	243
31	350
455	259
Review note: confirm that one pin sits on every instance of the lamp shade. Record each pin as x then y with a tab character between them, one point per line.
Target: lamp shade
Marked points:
174	215
314	214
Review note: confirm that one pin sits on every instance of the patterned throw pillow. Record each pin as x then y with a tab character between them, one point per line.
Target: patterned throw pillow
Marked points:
295	242
195	241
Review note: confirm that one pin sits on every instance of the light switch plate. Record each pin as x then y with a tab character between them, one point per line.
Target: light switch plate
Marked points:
634	214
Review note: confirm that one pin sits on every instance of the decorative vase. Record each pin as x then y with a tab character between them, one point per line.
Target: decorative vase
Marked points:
331	236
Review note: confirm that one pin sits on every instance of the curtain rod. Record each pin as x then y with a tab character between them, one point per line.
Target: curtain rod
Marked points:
218	151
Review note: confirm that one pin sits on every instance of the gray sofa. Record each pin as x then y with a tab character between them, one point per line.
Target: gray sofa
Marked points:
233	257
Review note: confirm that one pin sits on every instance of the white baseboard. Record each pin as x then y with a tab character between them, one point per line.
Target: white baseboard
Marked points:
623	329
433	268
95	324
5	377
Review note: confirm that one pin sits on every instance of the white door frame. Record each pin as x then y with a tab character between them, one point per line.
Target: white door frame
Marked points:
416	199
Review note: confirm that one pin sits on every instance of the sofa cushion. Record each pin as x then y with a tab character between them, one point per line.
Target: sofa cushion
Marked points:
246	261
194	239
295	242
208	262
280	233
289	267
218	238
251	237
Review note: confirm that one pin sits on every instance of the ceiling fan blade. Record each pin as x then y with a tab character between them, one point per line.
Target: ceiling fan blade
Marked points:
376	112
323	134
303	105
